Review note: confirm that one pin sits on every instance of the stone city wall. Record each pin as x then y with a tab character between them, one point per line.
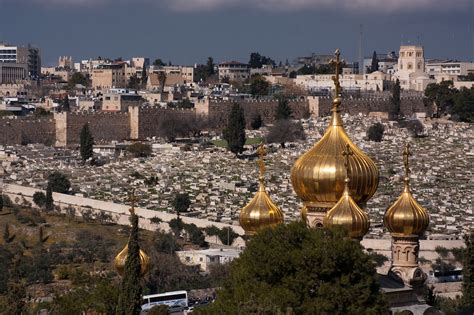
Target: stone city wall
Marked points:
408	107
149	119
21	130
218	111
105	127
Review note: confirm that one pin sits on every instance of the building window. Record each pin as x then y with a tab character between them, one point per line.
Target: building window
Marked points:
409	66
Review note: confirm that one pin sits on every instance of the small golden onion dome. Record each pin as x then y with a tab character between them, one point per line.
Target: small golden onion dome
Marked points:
318	175
349	215
261	211
121	258
406	216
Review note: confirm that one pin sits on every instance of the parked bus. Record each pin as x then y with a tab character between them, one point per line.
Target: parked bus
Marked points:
174	299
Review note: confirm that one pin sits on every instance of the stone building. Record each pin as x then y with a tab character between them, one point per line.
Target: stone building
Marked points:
109	76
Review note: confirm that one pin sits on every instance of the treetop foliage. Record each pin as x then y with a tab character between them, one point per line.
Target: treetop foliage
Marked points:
257	61
310	271
234	132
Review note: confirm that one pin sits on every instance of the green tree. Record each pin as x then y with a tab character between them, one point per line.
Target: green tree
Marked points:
310	271
227	235
139	149
144	76
87	143
256	122
1	202
49	202
59	182
134	82
375	132
283	110
39	198
234	132
78	78
284	131
463	106
210	66
130	299
374	66
468	273
442	95
65	106
257	61
259	86
165	242
16	295
394	110
159	63
181	203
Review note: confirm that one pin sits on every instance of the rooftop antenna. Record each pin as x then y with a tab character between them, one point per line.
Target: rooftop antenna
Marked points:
360	50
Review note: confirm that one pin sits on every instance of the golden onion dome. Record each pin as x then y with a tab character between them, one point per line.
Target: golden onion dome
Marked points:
406	216
349	215
261	211
346	212
121	259
318	175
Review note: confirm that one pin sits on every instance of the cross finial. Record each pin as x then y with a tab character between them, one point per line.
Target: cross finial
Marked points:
337	62
261	165
133	198
347	153
406	154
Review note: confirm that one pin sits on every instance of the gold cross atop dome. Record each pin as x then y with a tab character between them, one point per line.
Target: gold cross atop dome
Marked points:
337	62
406	154
261	164
347	153
133	199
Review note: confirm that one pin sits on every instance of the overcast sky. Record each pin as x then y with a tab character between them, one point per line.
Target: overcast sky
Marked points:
187	31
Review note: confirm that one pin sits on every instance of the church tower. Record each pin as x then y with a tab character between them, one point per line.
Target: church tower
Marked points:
407	221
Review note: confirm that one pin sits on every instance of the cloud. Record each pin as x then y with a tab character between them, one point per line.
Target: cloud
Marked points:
384	6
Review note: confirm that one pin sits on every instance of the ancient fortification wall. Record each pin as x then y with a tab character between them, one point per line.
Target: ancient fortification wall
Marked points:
149	119
408	106
105	127
141	123
20	130
219	111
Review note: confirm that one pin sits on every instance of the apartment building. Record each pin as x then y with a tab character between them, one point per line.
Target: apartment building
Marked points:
28	55
107	76
11	73
449	67
234	71
119	100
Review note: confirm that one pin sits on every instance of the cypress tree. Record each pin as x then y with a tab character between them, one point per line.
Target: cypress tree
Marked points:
283	110
234	133
395	100
49	203
1	202
87	142
130	298
375	63
468	273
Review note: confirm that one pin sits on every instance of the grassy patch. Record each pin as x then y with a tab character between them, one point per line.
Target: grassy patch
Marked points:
250	141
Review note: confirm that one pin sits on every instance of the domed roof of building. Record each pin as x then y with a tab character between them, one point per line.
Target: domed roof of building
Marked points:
261	211
346	212
318	175
121	257
406	217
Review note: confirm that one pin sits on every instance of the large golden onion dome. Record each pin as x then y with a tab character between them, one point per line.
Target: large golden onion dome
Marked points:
406	217
346	212
261	211
318	175
121	259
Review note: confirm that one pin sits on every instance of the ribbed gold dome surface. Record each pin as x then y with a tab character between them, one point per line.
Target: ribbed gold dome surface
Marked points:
121	258
349	215
406	216
261	211
318	175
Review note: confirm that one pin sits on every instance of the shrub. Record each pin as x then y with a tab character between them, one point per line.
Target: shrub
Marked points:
59	182
139	149
375	132
39	198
